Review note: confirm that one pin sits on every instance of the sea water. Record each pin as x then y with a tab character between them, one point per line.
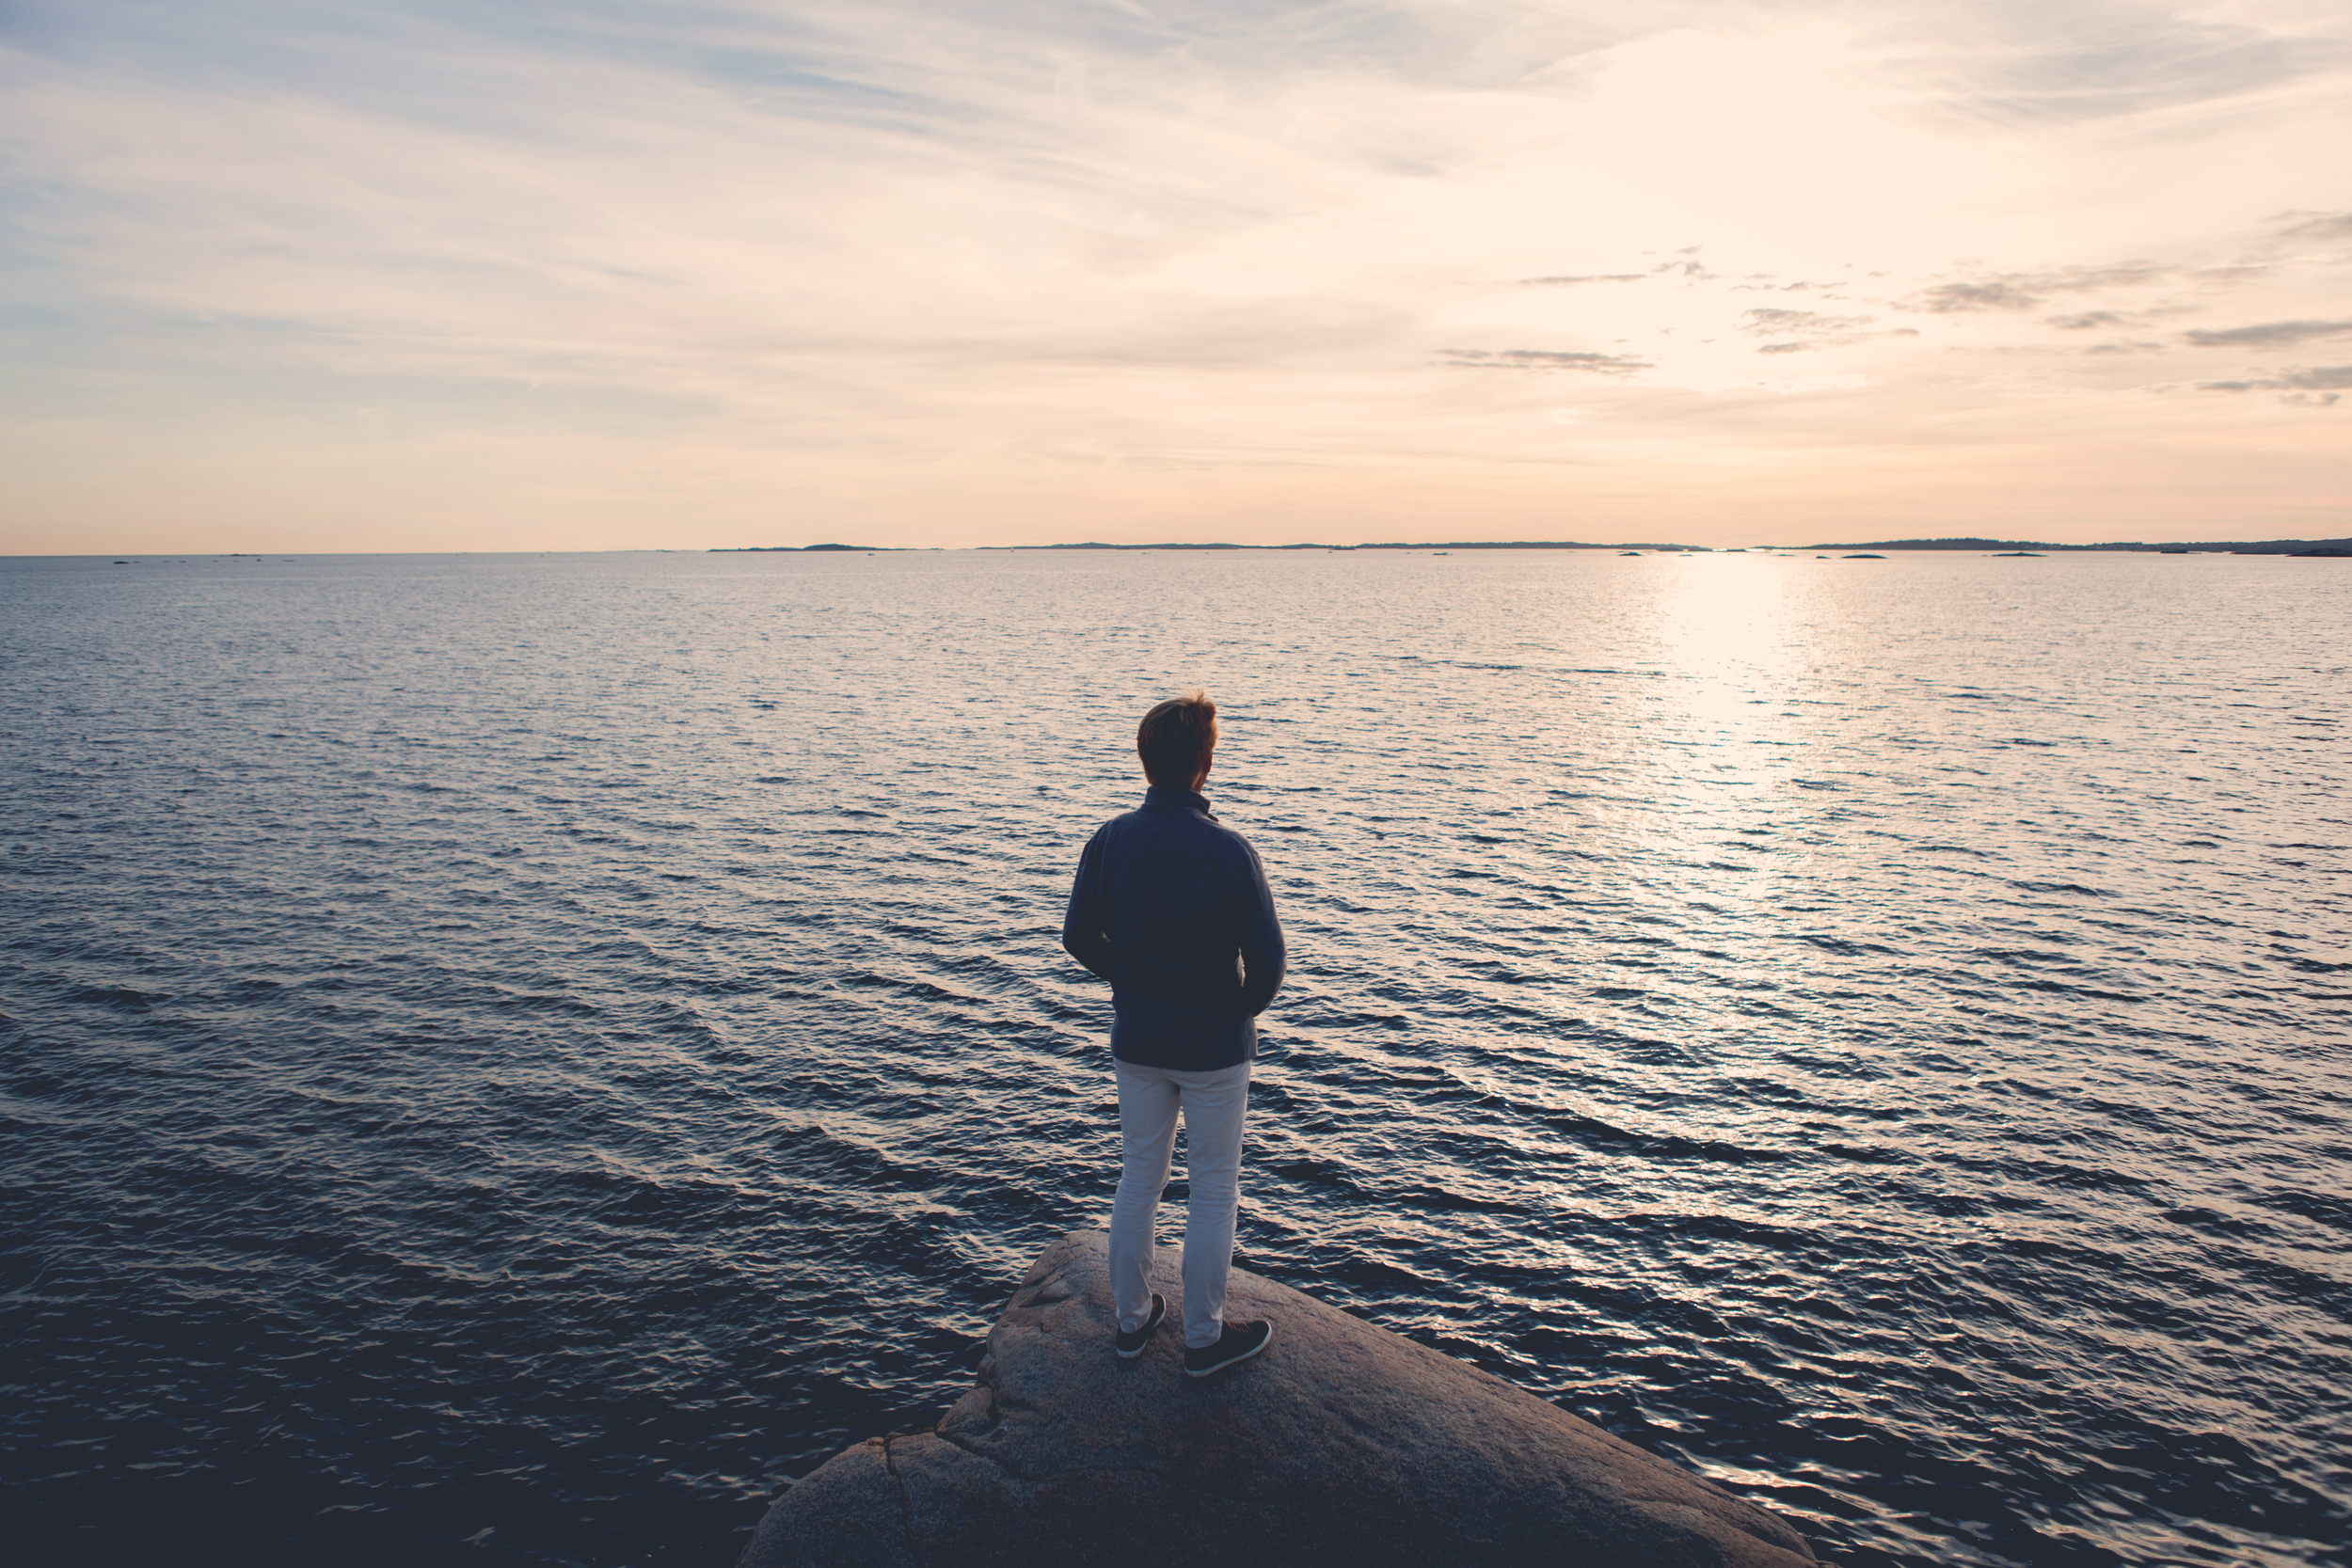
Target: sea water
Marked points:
508	1058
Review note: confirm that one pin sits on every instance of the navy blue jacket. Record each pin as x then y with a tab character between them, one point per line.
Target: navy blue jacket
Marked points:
1171	907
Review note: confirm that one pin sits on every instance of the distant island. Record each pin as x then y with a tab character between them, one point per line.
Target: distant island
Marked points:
2008	547
759	549
2222	546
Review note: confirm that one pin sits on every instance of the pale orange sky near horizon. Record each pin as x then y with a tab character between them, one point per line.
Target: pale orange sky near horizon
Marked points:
305	278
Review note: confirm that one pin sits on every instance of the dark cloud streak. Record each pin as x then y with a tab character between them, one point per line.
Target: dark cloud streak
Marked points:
1765	321
2025	291
2317	388
2268	334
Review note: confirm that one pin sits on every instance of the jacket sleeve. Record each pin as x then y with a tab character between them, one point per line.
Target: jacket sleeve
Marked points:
1263	957
1082	934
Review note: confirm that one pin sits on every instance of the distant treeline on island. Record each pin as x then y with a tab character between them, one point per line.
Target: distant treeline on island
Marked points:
2224	546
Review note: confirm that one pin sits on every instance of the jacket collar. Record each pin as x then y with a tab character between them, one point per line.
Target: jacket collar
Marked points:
1175	798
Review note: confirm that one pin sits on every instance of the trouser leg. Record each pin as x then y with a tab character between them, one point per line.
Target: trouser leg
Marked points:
1147	1137
1215	1104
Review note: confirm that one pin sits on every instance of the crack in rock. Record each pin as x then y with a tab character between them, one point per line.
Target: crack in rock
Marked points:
906	1504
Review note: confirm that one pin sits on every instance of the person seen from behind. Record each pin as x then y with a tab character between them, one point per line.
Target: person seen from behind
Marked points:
1171	907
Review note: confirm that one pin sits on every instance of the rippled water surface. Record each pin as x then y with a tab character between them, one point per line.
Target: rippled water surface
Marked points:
508	1058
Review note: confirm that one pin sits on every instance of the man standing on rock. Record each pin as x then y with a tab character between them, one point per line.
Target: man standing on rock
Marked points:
1172	907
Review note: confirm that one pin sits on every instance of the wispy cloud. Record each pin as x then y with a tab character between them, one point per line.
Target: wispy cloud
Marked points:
1801	330
1544	359
2317	225
2062	63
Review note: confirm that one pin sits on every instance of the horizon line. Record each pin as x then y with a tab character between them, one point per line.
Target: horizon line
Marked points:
1946	543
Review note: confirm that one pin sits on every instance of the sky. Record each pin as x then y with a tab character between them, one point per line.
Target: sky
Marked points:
478	277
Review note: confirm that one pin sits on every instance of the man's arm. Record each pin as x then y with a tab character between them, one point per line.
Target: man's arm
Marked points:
1263	954
1082	934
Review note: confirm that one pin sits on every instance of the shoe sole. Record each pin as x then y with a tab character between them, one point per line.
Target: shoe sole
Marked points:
1231	1360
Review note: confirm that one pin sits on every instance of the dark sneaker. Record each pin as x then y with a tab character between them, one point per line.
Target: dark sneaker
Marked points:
1131	1345
1239	1342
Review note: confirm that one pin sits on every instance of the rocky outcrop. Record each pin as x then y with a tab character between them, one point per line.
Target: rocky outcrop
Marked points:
1341	1445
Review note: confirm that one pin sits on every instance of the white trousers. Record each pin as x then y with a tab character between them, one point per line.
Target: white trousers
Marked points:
1213	1105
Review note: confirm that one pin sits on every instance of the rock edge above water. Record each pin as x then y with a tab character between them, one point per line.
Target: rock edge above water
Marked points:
1343	1444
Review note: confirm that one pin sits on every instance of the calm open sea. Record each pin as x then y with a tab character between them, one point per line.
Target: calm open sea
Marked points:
505	1059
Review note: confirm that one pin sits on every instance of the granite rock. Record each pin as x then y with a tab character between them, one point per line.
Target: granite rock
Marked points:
1342	1444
